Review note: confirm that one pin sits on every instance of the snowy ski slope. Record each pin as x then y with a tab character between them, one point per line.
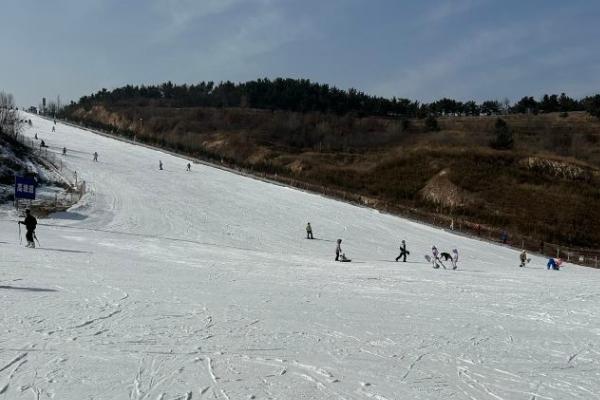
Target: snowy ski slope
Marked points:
200	285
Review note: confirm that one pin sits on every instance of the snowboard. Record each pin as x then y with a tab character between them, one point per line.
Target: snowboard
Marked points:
525	263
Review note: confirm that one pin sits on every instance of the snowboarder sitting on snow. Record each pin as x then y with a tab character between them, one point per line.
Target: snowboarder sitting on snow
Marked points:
42	144
30	223
403	252
554	264
309	234
523	258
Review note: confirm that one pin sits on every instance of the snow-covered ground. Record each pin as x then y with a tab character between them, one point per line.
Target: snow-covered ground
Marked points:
176	285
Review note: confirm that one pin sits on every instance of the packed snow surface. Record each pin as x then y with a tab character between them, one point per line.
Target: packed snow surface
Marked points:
170	284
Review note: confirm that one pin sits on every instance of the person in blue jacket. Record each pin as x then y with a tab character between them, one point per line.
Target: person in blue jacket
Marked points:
552	264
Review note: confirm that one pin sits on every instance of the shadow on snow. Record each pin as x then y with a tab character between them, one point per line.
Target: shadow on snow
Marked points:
28	289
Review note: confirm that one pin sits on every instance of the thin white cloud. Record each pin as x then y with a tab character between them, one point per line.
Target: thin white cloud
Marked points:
259	34
177	15
448	9
440	72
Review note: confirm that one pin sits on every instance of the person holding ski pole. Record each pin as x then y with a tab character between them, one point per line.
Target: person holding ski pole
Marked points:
403	252
30	223
309	234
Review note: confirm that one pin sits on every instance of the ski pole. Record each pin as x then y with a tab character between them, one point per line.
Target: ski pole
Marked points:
20	240
36	239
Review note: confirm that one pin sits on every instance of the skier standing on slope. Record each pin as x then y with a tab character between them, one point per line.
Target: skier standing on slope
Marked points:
160	165
189	167
64	151
403	252
309	234
30	224
96	156
338	250
436	257
523	258
435	252
454	258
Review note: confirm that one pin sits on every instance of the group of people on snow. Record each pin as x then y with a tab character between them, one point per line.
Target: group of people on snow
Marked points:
188	167
437	258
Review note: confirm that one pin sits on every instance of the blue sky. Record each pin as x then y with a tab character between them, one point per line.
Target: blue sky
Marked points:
423	50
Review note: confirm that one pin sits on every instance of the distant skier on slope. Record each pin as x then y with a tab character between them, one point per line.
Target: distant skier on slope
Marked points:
338	250
160	165
454	258
189	167
435	259
96	156
30	224
53	129
64	151
309	233
523	258
403	252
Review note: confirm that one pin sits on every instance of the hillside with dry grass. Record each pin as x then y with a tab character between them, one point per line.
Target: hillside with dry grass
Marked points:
545	188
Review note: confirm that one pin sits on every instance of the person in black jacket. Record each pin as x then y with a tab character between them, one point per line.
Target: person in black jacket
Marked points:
403	252
30	223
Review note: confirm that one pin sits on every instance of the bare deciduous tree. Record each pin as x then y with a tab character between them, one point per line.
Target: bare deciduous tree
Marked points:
9	116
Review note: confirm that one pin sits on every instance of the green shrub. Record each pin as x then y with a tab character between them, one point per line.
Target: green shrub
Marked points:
504	137
431	124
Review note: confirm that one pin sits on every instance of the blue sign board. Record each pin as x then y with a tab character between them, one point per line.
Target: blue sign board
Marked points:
24	188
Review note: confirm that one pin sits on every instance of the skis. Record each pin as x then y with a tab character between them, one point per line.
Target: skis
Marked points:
436	262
